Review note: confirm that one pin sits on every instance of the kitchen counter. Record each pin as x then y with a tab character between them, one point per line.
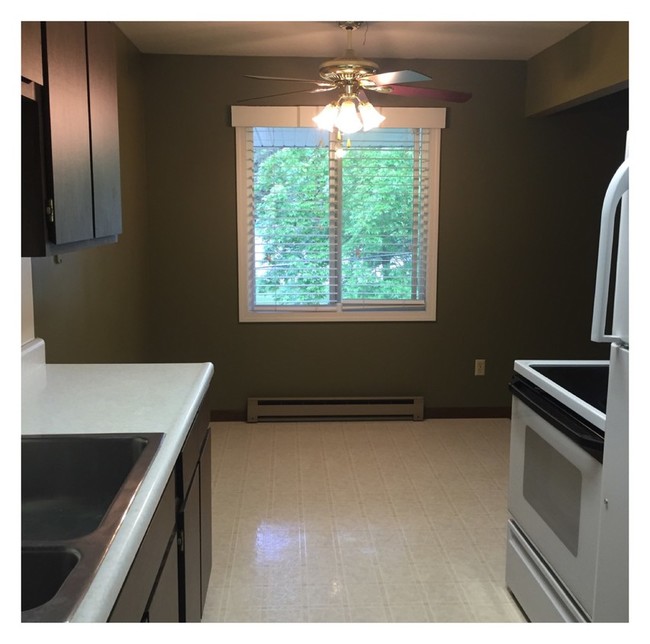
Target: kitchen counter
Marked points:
115	398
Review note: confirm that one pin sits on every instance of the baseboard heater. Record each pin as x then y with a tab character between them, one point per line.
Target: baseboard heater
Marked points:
285	409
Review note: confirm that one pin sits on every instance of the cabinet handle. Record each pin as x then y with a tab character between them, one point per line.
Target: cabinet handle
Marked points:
49	210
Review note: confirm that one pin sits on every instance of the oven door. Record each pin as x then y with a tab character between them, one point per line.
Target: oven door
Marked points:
554	493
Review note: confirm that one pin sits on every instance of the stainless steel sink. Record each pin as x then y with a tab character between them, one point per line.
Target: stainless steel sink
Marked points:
76	489
43	572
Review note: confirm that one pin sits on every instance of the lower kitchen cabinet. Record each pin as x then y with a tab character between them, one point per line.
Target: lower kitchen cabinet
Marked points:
168	579
205	465
195	519
140	588
190	525
164	603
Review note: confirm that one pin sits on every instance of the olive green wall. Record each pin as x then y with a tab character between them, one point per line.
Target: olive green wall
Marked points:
519	209
519	217
591	62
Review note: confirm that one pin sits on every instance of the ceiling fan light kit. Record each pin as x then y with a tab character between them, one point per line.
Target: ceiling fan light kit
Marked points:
348	120
352	76
326	118
349	114
370	117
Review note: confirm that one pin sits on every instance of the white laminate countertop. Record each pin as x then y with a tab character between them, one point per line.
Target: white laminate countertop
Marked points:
115	398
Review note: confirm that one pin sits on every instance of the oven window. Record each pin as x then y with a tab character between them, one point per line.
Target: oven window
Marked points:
552	486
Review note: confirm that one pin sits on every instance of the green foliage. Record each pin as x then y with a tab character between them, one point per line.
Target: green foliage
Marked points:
377	223
292	227
296	243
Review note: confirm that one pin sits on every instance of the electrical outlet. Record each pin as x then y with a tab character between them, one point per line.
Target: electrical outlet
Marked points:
479	367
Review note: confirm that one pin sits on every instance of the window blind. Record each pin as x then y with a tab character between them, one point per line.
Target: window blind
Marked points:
337	234
290	227
384	203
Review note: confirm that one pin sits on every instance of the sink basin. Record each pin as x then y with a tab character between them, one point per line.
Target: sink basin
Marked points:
76	489
69	482
43	572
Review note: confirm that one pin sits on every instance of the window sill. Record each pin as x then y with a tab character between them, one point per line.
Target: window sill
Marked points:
337	316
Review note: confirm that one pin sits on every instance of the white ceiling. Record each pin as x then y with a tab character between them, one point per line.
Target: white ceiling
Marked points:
428	40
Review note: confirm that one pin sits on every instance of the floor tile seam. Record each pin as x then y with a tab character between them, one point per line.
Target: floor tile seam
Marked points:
301	502
393	502
488	551
218	595
421	599
274	492
496	599
238	524
231	548
415	559
301	476
481	561
425	452
491	511
328	475
391	610
395	607
218	466
351	465
429	512
384	487
449	495
273	466
382	590
484	521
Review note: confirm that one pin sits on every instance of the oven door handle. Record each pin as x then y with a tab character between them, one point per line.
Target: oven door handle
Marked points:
560	417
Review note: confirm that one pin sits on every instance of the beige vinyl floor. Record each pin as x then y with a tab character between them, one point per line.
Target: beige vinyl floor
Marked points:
374	521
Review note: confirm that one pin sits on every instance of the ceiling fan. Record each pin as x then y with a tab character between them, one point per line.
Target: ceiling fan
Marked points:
352	76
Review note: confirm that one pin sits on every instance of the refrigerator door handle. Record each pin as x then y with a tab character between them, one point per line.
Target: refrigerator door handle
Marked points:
618	186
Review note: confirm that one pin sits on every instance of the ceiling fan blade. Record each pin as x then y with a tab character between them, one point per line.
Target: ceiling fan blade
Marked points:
439	94
297	91
296	80
390	78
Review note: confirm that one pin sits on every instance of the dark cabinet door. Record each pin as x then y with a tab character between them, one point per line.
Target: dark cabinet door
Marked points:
205	469
33	190
191	552
195	516
69	130
31	67
104	131
133	600
78	136
164	602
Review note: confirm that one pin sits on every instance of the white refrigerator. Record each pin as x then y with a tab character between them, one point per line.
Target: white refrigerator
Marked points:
612	571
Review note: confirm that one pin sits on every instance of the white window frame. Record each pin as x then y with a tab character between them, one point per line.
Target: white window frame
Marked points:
244	117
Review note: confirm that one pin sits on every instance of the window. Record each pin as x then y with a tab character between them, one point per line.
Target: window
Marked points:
325	237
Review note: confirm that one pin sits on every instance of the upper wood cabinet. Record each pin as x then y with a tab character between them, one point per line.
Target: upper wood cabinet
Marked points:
75	122
31	64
